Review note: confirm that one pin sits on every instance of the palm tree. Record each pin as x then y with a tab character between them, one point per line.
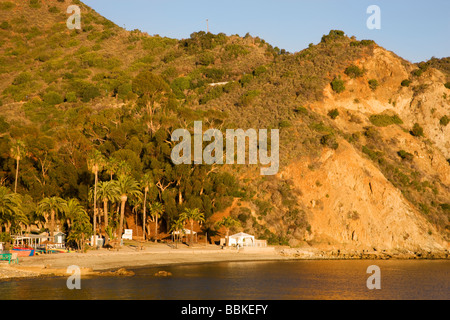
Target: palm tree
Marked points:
10	207
80	224
56	206
177	226
146	183
228	222
73	208
126	186
107	191
96	162
191	216
111	166
156	209
17	152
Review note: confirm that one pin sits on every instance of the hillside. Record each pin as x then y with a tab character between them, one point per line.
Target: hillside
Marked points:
364	134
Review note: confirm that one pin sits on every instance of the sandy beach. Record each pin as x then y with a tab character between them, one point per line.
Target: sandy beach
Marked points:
111	262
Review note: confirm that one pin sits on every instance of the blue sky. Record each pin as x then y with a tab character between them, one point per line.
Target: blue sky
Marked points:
415	30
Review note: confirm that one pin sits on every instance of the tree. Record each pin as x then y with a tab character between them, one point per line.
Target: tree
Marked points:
17	152
10	207
338	85
96	162
191	216
81	228
156	210
177	227
111	166
56	206
228	223
126	186
107	191
146	183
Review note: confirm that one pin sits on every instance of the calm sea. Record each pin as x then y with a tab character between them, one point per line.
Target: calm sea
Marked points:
274	280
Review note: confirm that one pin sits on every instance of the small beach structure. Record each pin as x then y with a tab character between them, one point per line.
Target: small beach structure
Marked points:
183	233
128	234
60	240
242	239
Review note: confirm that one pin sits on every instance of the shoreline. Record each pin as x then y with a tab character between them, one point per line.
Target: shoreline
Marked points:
103	262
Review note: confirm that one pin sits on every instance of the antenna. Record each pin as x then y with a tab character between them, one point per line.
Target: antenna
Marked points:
207	26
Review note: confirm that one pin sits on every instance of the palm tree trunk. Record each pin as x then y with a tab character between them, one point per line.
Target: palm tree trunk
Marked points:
95	202
105	210
145	207
17	175
156	229
122	216
52	222
192	231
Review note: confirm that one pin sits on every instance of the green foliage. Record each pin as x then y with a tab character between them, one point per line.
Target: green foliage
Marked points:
384	120
405	155
248	97
444	121
417	130
447	85
373	84
329	141
406	83
338	85
53	98
333	114
35	4
7	5
354	71
332	36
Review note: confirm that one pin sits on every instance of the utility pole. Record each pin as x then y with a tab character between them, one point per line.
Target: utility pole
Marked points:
207	26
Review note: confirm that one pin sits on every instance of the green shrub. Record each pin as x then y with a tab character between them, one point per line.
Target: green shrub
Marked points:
89	93
22	78
337	85
444	121
447	85
259	70
354	71
406	83
373	84
417	130
246	79
329	141
248	97
53	98
5	25
384	120
284	124
6	5
333	114
71	97
35	4
405	155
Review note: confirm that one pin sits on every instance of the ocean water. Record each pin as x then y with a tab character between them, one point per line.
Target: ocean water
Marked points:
271	280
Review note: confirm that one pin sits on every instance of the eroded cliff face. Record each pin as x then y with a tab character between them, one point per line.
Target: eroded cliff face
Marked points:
353	206
352	203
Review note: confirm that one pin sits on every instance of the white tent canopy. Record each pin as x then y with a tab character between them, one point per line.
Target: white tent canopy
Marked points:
184	231
242	239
